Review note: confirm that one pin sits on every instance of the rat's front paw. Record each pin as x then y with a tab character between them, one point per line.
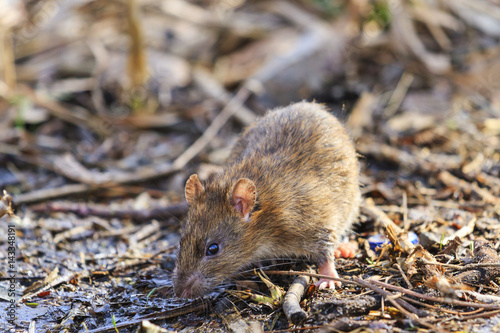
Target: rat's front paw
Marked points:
328	269
326	283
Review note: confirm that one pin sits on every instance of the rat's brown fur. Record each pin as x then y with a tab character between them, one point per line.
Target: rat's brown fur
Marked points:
305	170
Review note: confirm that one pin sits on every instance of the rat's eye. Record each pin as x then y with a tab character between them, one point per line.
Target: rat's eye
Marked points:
212	249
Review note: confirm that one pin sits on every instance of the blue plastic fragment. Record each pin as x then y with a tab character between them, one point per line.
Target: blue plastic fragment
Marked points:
378	240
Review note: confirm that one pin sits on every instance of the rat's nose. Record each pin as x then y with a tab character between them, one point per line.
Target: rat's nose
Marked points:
192	288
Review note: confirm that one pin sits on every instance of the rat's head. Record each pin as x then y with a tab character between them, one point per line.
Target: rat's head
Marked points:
211	248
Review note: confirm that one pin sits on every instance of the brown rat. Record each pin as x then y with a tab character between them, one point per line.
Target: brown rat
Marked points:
290	189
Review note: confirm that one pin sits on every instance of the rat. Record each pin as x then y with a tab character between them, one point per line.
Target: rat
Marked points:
290	189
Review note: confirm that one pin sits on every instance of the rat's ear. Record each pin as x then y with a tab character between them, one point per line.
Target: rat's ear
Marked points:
243	197
193	188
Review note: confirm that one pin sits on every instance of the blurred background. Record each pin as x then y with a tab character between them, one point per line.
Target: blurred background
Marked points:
114	85
107	107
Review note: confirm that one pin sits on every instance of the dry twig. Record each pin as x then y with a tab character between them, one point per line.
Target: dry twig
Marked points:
451	180
104	211
436	299
291	303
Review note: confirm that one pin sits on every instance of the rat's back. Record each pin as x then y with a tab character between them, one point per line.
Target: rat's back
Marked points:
299	130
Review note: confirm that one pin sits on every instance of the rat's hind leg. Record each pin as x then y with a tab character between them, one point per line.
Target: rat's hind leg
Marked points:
327	267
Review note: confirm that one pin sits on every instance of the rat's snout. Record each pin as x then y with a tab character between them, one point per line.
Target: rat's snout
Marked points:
191	287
